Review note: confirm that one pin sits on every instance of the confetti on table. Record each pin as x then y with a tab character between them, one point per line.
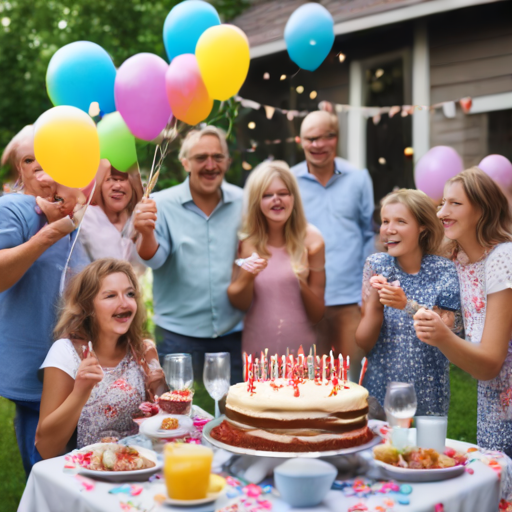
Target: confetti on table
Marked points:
86	483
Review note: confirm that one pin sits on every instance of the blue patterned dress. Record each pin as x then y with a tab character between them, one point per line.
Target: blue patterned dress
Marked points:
398	354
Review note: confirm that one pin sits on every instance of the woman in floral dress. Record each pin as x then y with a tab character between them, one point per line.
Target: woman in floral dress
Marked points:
394	284
476	217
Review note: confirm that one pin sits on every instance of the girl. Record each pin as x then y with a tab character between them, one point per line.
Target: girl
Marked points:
282	284
95	392
408	275
475	216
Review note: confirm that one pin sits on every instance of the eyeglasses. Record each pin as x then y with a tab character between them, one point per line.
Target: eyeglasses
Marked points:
202	158
328	137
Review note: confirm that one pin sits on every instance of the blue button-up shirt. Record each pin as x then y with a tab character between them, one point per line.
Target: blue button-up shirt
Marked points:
193	264
342	211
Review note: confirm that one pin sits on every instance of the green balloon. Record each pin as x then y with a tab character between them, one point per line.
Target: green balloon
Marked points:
117	144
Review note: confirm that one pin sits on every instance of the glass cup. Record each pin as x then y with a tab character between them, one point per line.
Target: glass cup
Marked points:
187	470
217	376
178	370
400	404
431	432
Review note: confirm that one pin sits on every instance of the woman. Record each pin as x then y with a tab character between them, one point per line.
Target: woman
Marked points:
107	228
476	217
282	280
98	393
393	286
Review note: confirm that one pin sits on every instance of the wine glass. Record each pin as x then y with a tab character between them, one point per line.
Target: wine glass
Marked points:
178	371
400	404
217	376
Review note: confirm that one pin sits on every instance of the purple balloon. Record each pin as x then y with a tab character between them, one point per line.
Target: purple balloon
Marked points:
435	168
499	169
140	95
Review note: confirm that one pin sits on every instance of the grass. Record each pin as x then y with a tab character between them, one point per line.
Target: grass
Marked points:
461	425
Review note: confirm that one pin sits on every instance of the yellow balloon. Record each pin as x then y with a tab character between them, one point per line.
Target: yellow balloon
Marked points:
67	146
223	57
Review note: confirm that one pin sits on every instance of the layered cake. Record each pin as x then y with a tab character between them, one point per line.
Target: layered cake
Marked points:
295	415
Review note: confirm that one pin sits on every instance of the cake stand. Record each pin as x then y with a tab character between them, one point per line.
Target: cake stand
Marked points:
373	424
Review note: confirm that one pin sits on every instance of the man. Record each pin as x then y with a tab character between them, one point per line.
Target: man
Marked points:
191	248
338	200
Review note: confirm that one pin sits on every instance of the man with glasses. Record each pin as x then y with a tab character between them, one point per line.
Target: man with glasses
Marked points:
189	239
338	200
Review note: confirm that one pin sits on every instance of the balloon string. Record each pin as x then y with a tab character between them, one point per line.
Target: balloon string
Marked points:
63	276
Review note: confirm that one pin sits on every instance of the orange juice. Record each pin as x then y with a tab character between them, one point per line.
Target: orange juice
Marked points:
187	470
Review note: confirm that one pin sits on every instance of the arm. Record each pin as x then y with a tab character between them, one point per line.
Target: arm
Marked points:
481	360
61	405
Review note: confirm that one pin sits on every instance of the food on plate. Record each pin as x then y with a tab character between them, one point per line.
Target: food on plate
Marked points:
303	415
418	458
170	424
113	457
176	402
146	410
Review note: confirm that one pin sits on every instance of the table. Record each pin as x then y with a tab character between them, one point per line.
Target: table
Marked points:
50	489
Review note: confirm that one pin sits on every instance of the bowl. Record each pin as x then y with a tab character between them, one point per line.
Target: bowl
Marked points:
304	482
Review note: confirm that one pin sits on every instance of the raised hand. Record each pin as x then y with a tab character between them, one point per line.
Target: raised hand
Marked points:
429	326
392	296
144	217
89	373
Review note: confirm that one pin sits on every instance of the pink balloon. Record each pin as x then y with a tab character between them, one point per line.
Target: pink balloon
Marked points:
140	95
435	168
499	169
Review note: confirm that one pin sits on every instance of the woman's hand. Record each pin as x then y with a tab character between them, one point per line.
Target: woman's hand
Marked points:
429	327
254	264
144	217
378	282
392	296
89	373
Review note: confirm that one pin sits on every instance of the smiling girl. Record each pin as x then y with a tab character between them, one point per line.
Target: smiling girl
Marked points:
282	285
476	218
95	392
393	286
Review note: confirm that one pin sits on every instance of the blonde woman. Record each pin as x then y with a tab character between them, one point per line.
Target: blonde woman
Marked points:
281	280
95	392
394	285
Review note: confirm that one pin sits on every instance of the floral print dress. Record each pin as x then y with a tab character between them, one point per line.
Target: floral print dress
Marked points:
398	354
493	273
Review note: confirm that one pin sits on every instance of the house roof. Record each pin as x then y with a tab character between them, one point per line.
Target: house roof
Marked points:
265	20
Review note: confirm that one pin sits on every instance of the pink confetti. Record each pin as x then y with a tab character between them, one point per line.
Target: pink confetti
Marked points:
135	490
86	483
471	471
358	507
439	508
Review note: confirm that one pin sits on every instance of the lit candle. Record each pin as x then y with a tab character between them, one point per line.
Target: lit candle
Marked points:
340	365
332	366
256	369
290	368
324	366
311	368
364	365
245	366
283	366
317	367
276	367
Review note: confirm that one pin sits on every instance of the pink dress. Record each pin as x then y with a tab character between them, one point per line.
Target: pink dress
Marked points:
277	317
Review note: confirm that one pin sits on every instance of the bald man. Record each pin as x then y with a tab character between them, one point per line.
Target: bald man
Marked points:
338	200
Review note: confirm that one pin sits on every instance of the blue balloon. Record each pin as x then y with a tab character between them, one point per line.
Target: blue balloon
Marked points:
185	24
79	74
309	35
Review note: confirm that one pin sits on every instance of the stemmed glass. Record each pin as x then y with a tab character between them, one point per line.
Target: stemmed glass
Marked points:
217	376
400	404
178	371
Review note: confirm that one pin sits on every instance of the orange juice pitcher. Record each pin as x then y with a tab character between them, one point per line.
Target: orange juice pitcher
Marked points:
187	470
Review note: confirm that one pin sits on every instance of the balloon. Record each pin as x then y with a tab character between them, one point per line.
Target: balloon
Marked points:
499	169
435	168
80	73
186	91
309	35
185	24
117	144
223	57
140	95
67	146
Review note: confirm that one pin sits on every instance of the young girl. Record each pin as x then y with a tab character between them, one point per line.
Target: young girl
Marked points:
96	392
475	216
282	279
393	286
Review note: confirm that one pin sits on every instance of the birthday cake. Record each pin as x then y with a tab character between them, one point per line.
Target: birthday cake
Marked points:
295	415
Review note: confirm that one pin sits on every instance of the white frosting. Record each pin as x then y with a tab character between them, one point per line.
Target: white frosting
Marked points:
281	404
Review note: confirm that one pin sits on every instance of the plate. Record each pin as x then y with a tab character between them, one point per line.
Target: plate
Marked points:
285	455
210	497
427	475
122	476
151	427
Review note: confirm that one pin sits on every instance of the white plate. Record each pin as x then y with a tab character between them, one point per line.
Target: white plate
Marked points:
210	497
151	427
427	475
284	455
122	476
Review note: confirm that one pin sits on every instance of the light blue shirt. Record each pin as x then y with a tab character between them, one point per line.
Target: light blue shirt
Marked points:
342	211
193	264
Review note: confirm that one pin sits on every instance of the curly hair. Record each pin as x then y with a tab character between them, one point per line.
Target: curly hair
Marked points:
77	319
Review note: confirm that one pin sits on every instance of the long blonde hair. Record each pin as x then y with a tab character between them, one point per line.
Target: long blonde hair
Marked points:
77	319
419	204
255	228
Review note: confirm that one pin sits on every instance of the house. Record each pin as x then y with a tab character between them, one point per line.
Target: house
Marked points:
386	53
